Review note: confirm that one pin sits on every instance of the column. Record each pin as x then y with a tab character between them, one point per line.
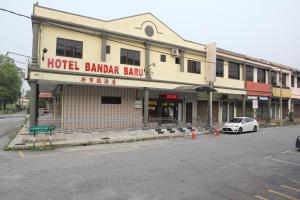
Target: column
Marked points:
147	60
220	113
244	105
181	60
33	107
35	40
146	105
228	111
209	119
234	109
103	48
290	105
269	109
184	110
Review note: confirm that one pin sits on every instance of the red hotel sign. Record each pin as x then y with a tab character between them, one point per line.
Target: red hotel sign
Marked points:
168	96
102	68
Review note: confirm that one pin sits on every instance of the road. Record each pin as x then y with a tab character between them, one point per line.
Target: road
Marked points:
10	122
261	165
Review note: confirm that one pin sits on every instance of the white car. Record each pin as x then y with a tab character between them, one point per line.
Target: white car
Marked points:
240	125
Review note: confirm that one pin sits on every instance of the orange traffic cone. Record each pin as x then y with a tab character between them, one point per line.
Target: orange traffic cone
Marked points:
217	131
193	134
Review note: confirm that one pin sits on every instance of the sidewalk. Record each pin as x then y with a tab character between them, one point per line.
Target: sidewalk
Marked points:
84	137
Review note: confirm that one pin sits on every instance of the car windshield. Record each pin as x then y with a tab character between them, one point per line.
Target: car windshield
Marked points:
236	120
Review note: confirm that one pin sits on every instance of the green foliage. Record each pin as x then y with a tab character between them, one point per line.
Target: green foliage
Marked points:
291	116
10	81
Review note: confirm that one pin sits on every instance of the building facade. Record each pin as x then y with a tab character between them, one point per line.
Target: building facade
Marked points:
135	72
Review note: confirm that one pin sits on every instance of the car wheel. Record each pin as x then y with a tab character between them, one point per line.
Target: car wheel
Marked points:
240	130
255	129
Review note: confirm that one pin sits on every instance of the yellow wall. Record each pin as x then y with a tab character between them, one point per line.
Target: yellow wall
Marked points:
285	92
227	82
133	26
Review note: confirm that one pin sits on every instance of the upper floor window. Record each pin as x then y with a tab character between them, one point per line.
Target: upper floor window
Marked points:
284	77
107	49
194	67
234	70
273	78
220	68
292	81
130	57
163	58
249	73
68	48
298	82
177	60
261	75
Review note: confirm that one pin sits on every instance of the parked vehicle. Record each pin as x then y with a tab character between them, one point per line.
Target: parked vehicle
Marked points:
298	142
241	124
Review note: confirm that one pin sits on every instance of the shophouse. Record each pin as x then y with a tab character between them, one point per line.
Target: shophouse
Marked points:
135	72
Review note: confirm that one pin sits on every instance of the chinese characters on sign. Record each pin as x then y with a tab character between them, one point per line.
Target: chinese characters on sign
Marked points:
94	80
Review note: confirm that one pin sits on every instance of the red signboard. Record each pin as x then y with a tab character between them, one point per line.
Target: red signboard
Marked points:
258	89
168	96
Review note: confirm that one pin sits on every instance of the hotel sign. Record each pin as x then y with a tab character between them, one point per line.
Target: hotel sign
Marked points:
95	68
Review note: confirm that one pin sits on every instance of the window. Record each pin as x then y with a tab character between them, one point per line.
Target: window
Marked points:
261	75
68	48
234	71
273	78
177	60
292	81
249	73
284	80
298	82
110	100
194	67
220	68
130	57
163	58
107	49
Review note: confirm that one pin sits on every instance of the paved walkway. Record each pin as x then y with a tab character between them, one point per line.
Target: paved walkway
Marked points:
84	137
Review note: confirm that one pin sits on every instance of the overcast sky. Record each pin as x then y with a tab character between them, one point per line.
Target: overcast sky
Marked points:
268	29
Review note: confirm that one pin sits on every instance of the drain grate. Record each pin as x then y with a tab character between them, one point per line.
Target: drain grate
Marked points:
105	138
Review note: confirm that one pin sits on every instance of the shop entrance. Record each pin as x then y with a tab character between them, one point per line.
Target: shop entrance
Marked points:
165	110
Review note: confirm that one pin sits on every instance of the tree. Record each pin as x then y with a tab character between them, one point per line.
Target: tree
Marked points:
10	81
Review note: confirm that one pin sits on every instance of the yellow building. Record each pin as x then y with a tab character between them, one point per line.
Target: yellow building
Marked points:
135	72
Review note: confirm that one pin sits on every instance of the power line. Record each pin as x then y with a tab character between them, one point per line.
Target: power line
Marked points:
15	13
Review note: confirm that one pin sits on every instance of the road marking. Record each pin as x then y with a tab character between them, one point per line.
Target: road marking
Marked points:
281	161
261	198
291	188
21	154
296	182
288	151
283	195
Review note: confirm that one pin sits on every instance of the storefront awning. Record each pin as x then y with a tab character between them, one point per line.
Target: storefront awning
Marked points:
197	88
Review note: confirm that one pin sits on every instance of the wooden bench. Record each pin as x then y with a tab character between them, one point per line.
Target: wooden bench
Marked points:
41	130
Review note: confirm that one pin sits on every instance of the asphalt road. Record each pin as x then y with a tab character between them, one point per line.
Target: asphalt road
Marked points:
261	165
10	122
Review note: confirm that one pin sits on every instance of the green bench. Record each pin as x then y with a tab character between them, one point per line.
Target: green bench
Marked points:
41	129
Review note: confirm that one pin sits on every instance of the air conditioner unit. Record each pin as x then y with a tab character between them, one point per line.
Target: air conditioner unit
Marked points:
175	52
